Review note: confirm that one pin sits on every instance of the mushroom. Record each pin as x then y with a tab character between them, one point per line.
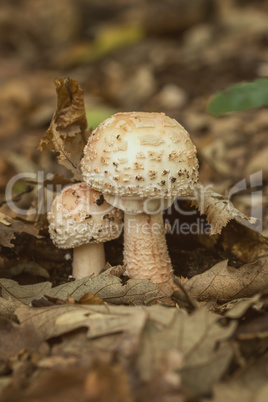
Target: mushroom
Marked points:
141	162
81	219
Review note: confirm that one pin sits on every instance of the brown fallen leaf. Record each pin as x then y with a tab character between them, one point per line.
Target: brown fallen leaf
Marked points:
236	309
187	346
105	286
67	135
24	294
90	298
219	211
11	228
171	350
54	321
15	338
3	219
249	384
224	283
242	243
108	383
7	308
83	382
195	337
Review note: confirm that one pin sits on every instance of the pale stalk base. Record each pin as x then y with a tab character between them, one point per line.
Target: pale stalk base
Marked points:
146	254
88	259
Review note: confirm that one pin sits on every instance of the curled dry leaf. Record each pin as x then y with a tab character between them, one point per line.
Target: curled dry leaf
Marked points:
237	308
243	243
224	283
67	133
219	211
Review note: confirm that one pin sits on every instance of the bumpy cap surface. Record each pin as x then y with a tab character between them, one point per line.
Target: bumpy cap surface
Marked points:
140	154
80	215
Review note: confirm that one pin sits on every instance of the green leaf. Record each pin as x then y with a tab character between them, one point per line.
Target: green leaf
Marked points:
242	96
96	115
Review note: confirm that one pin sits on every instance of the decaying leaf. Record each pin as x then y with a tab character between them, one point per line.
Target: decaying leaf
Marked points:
219	211
15	337
225	283
11	228
243	243
7	308
186	345
69	381
90	298
100	321
238	307
249	384
67	134
3	219
24	294
196	337
106	286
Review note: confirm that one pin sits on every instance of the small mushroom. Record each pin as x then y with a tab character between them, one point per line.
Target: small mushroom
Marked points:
142	187
81	219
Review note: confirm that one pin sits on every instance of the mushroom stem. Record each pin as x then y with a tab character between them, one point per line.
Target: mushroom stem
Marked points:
88	259
146	254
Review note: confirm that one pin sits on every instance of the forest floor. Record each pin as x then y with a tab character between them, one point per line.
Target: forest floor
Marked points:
109	338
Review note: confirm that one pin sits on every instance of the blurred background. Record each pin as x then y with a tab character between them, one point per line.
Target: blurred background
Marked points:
169	56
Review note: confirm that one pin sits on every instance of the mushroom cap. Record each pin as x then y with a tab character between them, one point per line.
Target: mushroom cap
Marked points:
140	154
80	215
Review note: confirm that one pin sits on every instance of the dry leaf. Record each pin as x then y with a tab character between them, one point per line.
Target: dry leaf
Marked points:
100	321
219	211
170	349
238	308
67	134
8	307
24	294
187	346
195	337
83	382
11	228
105	286
250	384
90	298
243	243
108	383
15	338
3	219
225	283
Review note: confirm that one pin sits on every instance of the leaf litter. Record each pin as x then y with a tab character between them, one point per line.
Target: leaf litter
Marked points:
167	351
67	135
112	339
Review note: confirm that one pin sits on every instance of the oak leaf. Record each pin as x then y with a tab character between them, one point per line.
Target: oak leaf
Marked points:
67	135
219	211
224	283
106	286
